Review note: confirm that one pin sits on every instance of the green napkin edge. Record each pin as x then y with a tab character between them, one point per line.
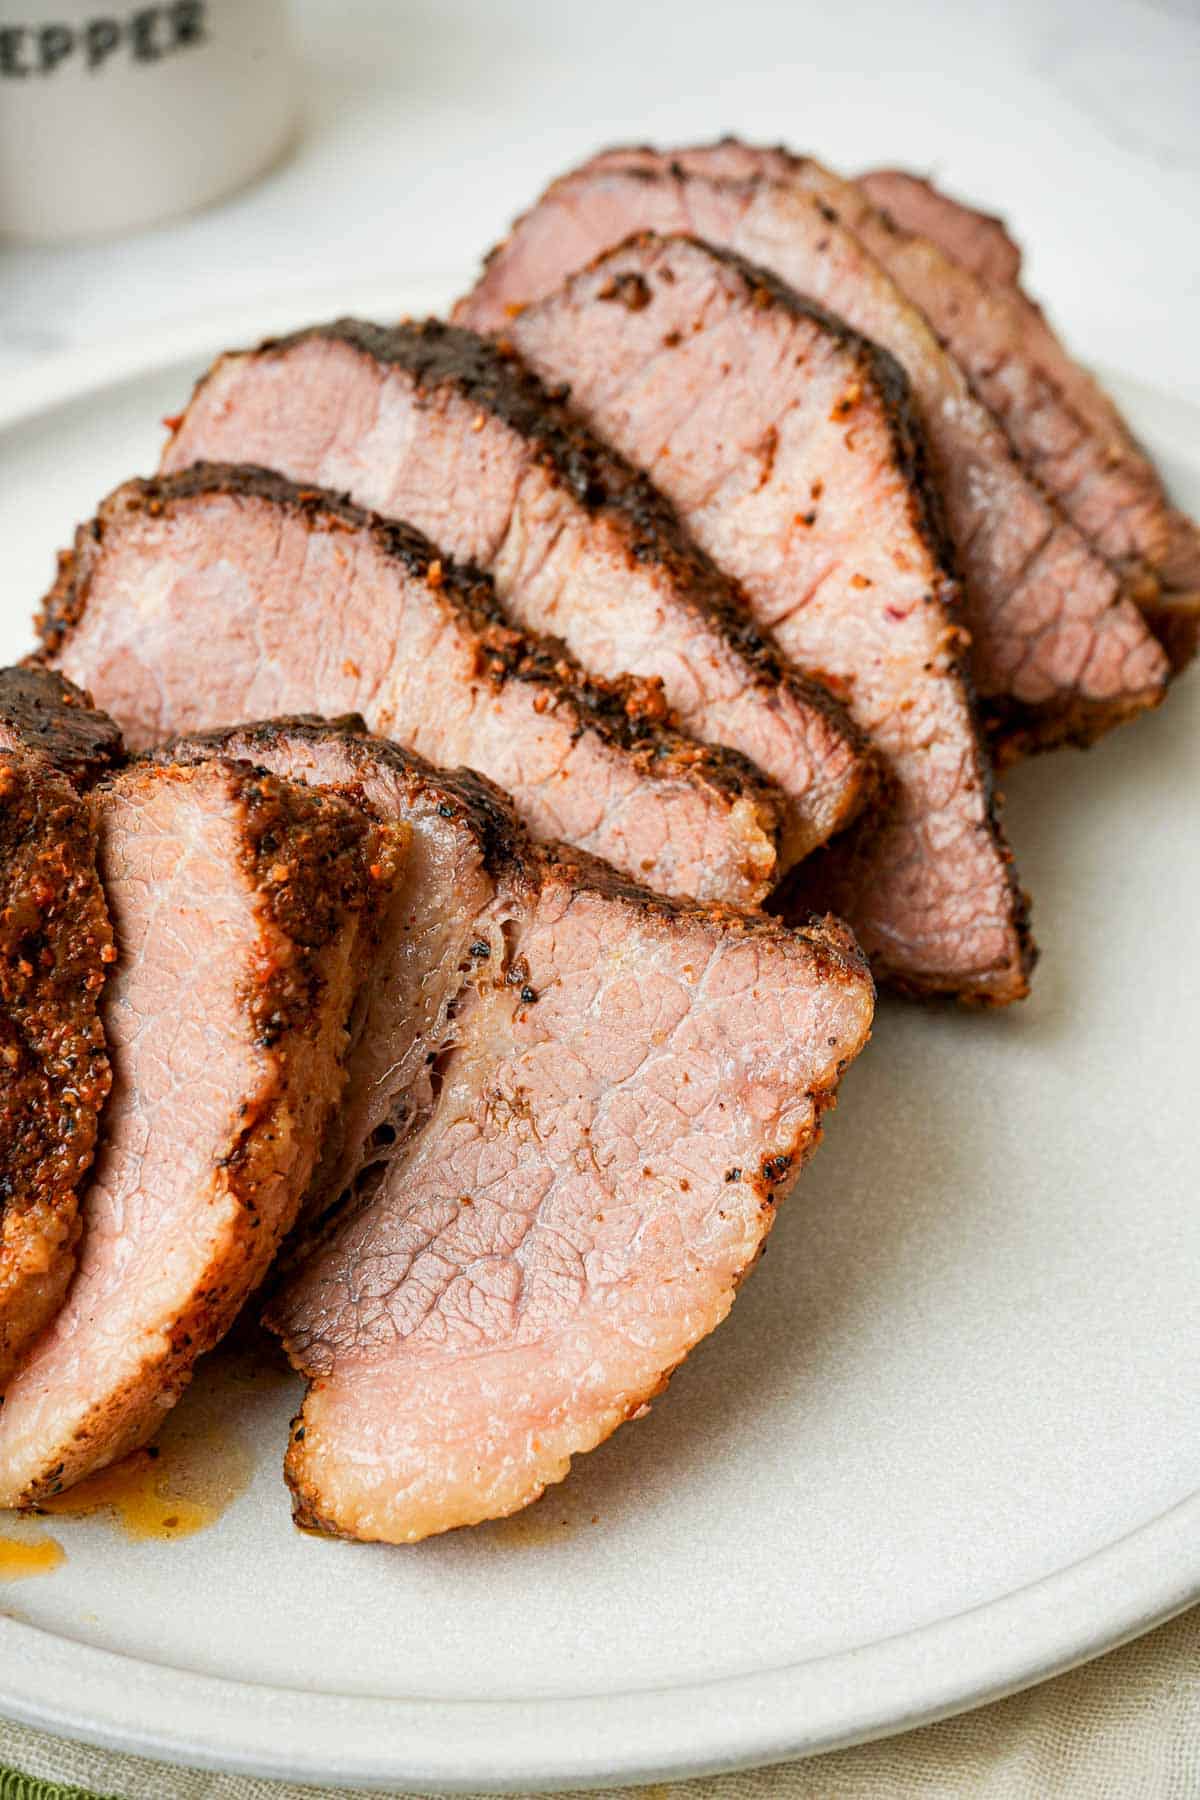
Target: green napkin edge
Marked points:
15	1786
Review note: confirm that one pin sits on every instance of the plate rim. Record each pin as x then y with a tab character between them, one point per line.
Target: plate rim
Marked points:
794	1710
696	1728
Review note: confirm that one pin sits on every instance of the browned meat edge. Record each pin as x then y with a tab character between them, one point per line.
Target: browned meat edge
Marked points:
489	373
55	944
802	888
503	839
40	710
508	847
1164	584
313	857
313	860
926	510
629	713
979	240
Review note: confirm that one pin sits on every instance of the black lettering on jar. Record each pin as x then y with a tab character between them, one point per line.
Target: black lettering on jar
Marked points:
145	35
55	44
143	27
10	50
187	20
100	39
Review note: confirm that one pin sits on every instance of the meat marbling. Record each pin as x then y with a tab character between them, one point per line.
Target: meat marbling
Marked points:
442	428
622	1086
243	908
229	593
787	443
1056	412
1058	651
464	841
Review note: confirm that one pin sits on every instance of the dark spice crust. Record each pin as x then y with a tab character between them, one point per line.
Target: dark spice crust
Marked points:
55	948
1015	731
508	852
314	858
315	861
40	710
877	373
456	795
630	714
490	378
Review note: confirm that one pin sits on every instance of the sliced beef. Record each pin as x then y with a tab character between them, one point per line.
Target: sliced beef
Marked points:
1056	413
1063	425
1057	650
221	594
55	947
243	908
42	712
465	841
562	1203
789	446
979	241
445	429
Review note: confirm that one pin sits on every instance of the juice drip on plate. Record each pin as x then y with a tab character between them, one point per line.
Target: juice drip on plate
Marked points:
198	1465
23	1557
143	1493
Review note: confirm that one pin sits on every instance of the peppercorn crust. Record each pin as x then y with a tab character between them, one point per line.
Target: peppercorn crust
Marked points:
308	876
55	948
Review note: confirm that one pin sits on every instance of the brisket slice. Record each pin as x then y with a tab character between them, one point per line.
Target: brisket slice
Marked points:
41	711
55	946
788	444
610	1091
1064	424
465	840
243	908
978	241
445	429
219	594
1057	651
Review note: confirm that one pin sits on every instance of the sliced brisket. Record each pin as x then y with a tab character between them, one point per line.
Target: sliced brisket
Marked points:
447	430
435	939
55	948
1063	424
225	593
978	241
1057	650
563	1201
788	445
243	908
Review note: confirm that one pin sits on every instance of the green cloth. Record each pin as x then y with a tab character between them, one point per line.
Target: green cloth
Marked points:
15	1786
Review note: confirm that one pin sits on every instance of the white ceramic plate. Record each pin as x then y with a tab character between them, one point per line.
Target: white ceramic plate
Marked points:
946	1445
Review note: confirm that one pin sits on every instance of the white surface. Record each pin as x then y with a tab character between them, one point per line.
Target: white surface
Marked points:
429	123
946	1443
